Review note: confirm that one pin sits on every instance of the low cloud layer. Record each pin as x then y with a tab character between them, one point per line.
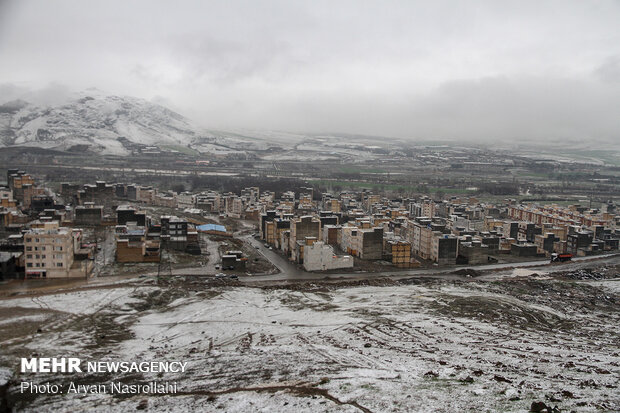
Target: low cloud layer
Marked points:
422	70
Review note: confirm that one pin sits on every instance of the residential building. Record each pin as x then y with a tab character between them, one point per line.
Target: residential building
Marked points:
49	251
319	256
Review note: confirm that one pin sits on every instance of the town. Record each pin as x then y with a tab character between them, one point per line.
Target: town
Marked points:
309	206
102	228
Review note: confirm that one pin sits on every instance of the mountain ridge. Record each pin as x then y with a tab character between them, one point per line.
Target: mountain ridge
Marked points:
97	121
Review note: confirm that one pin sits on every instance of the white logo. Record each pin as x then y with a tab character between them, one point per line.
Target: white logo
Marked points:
51	365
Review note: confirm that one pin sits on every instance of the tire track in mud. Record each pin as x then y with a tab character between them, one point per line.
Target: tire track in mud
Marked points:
42	304
352	358
301	389
69	318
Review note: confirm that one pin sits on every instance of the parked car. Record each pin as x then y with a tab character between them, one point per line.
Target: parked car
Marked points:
220	275
234	277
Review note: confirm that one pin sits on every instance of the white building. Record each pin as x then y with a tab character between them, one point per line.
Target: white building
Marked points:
321	257
186	200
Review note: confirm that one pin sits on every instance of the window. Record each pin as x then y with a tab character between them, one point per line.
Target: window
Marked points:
36	248
43	248
29	256
43	256
59	264
42	264
37	256
58	248
29	265
28	248
36	240
28	239
37	265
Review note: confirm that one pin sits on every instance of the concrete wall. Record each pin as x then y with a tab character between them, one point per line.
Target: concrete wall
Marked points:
321	257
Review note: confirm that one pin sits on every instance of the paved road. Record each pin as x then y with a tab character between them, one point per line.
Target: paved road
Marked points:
287	268
289	271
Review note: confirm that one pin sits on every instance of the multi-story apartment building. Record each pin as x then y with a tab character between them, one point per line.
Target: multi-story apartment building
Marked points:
133	244
333	205
420	234
209	202
399	251
23	187
444	248
424	208
370	200
363	242
6	198
250	194
177	233
168	200
186	200
554	214
303	227
319	256
48	251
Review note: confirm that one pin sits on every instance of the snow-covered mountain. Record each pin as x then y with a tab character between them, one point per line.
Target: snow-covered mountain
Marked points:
98	121
95	122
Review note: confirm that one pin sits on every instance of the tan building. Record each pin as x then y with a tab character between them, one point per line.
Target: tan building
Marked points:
168	200
370	200
333	205
400	252
133	245
6	198
48	251
420	235
23	187
146	195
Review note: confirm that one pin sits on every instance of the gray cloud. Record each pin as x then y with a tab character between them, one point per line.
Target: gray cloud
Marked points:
50	94
479	71
609	71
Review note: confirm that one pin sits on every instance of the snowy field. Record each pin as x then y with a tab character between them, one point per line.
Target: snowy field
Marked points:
441	346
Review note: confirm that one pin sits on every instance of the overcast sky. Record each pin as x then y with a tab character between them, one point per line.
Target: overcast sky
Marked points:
434	69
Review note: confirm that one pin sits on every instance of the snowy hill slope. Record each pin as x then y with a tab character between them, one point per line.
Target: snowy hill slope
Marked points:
96	120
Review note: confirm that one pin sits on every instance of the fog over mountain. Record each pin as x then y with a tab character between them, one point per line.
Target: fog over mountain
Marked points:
484	71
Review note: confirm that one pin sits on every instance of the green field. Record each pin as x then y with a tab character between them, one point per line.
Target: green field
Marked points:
361	170
394	187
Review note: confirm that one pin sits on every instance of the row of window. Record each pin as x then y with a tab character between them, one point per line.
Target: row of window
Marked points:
43	256
42	248
52	240
42	265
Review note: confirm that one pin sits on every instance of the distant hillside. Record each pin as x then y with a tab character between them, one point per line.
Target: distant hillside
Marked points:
96	121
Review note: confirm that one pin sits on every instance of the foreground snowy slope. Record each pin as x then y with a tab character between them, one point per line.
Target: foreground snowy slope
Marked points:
415	345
